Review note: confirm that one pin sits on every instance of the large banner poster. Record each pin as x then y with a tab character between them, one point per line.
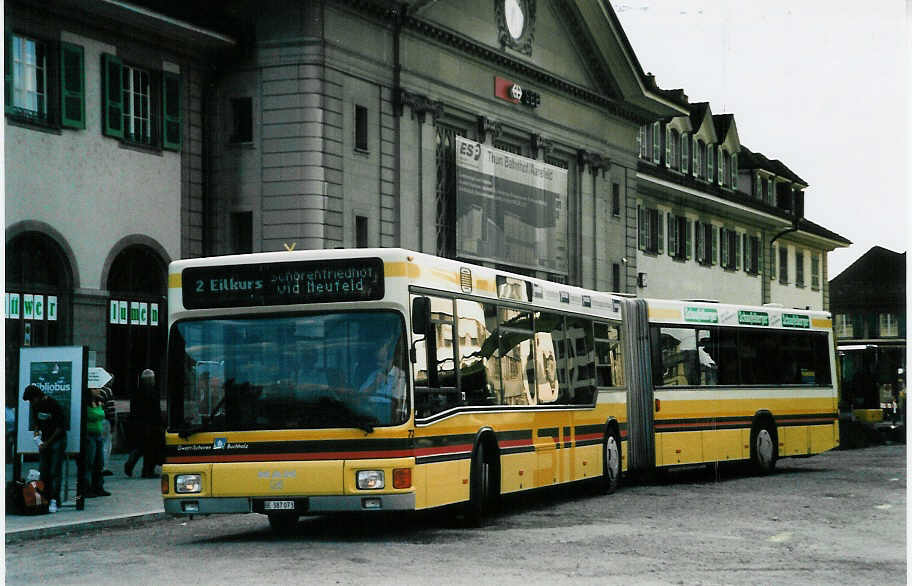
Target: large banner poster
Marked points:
58	371
510	209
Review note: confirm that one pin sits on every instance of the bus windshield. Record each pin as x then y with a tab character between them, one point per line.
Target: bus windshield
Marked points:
326	370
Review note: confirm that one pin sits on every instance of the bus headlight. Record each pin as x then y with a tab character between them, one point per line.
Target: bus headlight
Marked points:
188	483
370	479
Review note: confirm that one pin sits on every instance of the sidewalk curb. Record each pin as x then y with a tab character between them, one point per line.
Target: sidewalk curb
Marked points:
119	521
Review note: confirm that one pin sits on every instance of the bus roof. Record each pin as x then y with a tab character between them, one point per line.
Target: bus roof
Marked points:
710	313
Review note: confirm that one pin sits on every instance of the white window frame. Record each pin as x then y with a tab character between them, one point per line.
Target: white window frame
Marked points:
30	70
888	325
137	85
845	327
669	150
733	164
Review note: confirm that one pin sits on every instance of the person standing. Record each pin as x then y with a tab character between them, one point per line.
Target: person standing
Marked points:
52	441
145	414
110	411
93	447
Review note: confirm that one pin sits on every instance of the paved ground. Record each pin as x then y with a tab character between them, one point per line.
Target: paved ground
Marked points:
836	518
132	499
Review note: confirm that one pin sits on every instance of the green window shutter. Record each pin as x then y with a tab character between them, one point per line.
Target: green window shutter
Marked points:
715	245
688	239
672	235
667	146
723	235
745	240
112	96
72	86
8	70
171	111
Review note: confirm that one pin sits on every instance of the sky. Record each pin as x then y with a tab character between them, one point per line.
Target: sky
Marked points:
820	85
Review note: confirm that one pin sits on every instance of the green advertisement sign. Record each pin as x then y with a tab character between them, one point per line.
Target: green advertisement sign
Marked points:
792	320
753	318
702	315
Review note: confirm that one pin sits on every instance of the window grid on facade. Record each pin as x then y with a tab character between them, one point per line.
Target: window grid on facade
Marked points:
845	327
815	271
361	232
799	268
360	128
752	255
730	249
650	226
137	120
29	61
679	237
446	190
888	325
705	243
615	199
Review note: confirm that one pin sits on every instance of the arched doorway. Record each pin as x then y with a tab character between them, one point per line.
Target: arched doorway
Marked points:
136	316
39	285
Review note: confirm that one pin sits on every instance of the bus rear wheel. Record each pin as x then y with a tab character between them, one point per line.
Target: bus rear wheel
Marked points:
764	450
611	464
283	523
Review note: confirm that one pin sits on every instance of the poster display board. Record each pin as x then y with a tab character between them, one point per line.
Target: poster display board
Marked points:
510	209
59	372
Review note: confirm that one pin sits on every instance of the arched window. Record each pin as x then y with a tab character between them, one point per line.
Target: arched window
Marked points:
39	282
136	316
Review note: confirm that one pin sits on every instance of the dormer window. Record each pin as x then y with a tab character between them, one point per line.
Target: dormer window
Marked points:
758	187
734	171
771	191
699	160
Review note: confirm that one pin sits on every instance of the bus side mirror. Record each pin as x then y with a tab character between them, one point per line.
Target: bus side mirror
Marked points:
421	315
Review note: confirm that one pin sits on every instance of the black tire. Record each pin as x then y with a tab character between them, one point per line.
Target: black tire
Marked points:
283	524
480	488
764	447
611	464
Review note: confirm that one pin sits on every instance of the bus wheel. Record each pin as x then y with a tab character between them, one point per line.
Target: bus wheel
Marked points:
763	447
480	497
611	464
283	523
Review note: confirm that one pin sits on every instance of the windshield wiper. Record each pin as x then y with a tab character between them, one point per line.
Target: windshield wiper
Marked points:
363	422
189	430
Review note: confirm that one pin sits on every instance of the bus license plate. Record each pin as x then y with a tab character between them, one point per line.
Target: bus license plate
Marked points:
278	505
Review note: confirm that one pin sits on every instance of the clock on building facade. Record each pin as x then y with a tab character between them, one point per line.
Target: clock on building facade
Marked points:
515	24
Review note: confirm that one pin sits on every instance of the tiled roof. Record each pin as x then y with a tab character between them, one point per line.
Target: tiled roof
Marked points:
723	122
748	159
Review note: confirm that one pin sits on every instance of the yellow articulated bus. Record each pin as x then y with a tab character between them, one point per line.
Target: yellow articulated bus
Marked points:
324	381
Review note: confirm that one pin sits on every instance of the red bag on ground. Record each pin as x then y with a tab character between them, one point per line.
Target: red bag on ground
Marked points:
33	501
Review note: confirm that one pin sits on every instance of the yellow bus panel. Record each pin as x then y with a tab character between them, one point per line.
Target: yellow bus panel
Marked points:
443	483
722	444
517	471
270	478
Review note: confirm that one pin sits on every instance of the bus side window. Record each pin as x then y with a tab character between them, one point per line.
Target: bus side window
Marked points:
435	369
580	361
610	360
517	360
479	370
549	332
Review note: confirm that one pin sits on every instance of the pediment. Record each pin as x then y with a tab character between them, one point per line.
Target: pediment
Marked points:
577	43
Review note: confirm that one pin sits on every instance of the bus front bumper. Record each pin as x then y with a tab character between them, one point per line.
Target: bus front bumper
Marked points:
314	505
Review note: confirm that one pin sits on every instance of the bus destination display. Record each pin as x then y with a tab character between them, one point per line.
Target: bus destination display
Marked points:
283	283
